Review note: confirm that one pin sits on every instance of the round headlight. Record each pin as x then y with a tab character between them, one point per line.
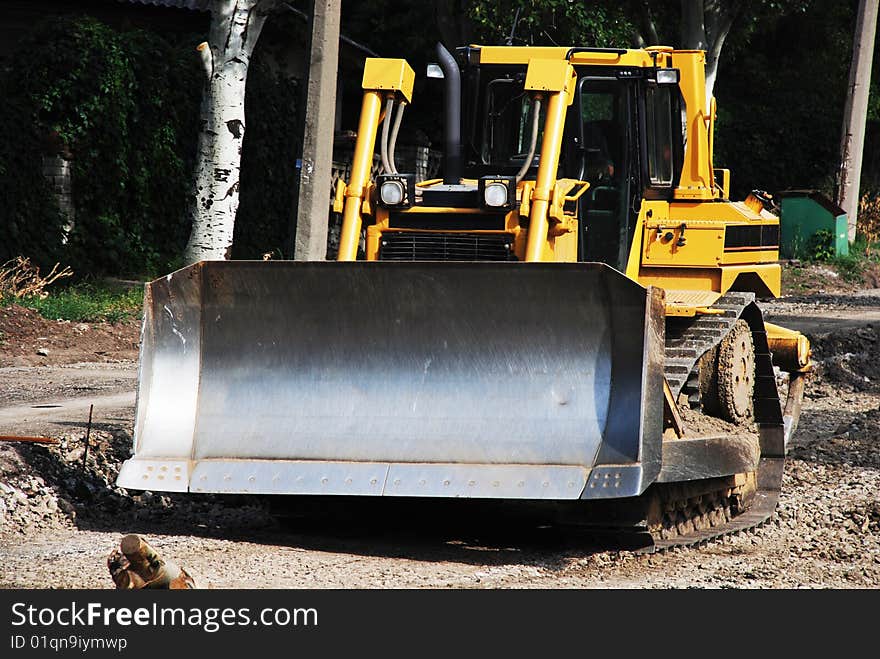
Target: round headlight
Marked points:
495	195
391	193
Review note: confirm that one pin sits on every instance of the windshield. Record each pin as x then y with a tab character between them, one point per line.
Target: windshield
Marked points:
507	132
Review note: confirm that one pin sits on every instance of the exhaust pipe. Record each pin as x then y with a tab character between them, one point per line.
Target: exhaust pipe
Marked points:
453	167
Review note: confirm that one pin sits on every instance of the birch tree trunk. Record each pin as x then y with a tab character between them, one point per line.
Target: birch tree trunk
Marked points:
705	25
235	28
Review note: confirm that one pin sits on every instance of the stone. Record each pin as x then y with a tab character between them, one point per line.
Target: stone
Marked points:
66	507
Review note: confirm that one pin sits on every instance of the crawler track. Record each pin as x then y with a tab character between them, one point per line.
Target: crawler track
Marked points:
691	513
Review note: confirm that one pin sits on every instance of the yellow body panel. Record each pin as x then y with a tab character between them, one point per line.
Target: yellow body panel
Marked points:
694	279
763	279
697	181
747	256
523	54
548	75
688	302
389	75
695	244
704	262
703	246
767	278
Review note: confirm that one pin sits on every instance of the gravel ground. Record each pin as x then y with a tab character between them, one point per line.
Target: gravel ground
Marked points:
60	520
33	385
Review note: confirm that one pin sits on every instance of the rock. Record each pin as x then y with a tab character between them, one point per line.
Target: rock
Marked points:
66	507
42	352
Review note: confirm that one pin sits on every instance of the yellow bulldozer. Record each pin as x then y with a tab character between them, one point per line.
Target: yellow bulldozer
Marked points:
568	316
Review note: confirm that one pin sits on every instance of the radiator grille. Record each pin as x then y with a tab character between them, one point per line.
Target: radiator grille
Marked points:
446	247
447	221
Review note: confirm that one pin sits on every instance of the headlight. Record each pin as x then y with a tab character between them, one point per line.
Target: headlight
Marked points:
391	193
495	195
667	76
396	191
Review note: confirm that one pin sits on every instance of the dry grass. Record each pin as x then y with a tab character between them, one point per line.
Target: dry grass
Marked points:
19	278
868	224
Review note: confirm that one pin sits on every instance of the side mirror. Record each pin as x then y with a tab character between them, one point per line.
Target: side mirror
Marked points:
434	71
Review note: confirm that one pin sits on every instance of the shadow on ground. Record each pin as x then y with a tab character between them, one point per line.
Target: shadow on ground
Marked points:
463	531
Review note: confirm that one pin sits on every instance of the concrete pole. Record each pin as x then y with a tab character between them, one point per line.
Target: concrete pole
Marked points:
313	208
855	114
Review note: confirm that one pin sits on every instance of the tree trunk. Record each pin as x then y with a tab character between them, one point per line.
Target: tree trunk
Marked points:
705	25
646	30
235	27
693	31
855	114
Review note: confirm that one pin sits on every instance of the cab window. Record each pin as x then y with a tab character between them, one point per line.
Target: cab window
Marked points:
601	134
507	132
658	119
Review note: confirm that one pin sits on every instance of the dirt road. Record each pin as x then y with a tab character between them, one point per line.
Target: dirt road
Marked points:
60	520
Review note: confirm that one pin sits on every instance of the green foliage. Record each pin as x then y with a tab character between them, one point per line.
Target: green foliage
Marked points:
30	222
860	264
553	23
122	105
856	267
88	302
851	267
125	106
820	246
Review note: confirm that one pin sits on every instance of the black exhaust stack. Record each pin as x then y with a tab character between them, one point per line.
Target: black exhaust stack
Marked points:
453	166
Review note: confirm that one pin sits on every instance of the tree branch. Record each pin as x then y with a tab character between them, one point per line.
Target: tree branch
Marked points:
648	25
719	16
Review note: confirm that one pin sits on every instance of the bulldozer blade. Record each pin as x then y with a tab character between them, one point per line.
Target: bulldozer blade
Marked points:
501	380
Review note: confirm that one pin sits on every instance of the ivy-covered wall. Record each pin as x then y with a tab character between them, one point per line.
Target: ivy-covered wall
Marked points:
269	178
123	107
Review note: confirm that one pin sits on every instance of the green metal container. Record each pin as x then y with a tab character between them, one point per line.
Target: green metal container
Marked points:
802	214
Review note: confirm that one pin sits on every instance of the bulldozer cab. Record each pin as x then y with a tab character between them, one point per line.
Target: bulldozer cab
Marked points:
621	136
